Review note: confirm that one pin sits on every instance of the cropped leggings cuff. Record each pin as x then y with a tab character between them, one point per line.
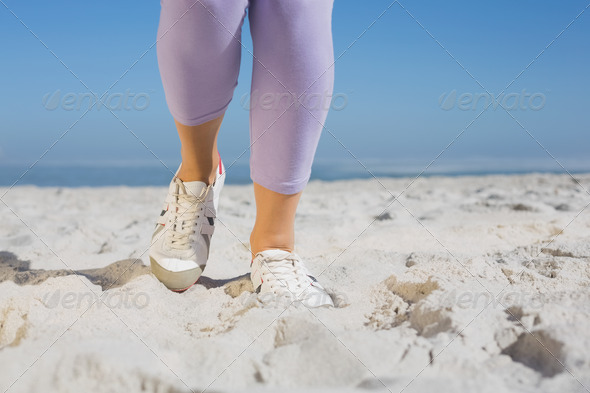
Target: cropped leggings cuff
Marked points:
187	121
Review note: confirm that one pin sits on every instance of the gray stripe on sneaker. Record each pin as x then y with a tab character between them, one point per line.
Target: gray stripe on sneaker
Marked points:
207	242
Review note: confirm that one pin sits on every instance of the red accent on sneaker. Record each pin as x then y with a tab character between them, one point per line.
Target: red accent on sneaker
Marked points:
219	155
184	289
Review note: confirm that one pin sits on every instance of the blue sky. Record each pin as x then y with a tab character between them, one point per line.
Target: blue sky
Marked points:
411	82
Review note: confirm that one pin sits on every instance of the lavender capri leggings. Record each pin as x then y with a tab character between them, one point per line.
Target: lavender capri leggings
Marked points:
293	76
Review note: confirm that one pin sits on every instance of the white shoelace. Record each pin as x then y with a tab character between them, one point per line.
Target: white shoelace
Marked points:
184	213
280	270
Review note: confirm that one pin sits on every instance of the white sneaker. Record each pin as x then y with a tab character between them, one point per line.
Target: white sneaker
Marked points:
279	274
180	243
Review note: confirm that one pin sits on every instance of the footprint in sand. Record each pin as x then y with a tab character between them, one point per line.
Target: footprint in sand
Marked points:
399	302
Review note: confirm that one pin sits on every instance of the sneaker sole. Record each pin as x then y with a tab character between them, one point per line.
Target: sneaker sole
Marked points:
175	281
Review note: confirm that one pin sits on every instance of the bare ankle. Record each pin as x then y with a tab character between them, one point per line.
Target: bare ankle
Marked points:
188	173
263	243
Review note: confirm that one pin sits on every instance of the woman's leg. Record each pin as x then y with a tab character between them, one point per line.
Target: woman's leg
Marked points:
275	219
199	151
199	60
292	85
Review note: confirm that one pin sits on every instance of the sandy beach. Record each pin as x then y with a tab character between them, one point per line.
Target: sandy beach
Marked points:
474	283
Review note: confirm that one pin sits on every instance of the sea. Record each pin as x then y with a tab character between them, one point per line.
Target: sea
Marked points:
159	173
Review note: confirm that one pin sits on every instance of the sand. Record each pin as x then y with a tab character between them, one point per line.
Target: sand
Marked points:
462	284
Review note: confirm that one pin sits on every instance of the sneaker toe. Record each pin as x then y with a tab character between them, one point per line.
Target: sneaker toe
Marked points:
177	265
315	297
